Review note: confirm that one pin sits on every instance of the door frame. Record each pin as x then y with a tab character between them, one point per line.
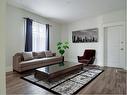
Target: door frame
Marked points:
105	40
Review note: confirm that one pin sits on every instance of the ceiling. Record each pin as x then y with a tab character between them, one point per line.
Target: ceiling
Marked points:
66	11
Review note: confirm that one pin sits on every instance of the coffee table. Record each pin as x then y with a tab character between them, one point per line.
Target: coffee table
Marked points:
56	70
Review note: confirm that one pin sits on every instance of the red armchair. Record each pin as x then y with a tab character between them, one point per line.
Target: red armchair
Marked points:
88	57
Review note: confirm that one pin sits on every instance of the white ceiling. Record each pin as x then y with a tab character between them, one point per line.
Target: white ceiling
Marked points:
68	10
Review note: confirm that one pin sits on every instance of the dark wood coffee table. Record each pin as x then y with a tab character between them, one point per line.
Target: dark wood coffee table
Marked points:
56	70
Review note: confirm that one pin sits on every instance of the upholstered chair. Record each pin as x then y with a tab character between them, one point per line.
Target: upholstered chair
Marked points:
88	57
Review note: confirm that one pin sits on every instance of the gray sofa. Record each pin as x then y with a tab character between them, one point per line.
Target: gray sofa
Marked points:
20	65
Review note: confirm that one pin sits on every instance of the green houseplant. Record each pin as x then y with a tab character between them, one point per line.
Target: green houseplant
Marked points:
61	47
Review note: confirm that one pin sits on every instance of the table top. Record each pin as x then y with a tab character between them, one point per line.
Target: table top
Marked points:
58	67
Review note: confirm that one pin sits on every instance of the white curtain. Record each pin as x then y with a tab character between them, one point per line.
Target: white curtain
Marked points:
39	36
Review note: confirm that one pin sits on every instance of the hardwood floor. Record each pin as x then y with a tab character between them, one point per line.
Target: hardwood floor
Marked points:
112	81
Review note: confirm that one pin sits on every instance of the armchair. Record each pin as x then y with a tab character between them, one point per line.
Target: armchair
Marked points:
88	57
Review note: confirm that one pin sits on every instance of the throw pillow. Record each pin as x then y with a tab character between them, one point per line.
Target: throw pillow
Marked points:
27	56
48	54
39	54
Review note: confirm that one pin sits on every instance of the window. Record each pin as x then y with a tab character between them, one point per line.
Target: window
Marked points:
39	40
37	36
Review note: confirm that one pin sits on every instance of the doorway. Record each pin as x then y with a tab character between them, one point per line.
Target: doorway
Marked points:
114	46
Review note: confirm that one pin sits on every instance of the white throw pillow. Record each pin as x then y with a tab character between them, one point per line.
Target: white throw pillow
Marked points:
48	54
27	56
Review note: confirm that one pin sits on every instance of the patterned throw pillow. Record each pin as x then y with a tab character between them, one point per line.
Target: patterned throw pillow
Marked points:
27	56
39	54
48	53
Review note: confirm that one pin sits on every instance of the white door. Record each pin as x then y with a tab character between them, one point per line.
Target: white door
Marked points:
115	46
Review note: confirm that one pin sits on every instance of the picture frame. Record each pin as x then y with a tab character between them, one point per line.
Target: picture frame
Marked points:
85	36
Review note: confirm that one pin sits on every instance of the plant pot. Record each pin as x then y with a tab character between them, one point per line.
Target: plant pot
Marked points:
62	58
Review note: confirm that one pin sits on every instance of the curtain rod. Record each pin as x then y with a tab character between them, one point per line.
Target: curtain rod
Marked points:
35	20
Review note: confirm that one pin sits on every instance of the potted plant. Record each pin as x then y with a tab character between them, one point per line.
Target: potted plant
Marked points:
61	47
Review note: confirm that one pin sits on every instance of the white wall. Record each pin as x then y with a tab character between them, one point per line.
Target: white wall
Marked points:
78	48
2	47
15	32
126	33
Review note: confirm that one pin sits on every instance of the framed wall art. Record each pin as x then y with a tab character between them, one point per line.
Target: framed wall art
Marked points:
85	36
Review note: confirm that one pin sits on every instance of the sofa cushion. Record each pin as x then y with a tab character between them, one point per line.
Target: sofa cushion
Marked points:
51	59
27	56
40	61
48	54
39	54
31	62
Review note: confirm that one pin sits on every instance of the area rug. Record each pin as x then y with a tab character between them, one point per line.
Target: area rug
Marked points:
68	85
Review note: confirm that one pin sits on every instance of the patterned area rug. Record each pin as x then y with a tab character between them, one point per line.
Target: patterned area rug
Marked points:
67	85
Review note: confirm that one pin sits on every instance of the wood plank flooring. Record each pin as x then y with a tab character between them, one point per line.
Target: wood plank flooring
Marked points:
111	82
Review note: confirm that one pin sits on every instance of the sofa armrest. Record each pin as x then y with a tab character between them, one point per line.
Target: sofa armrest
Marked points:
80	57
92	60
16	60
54	54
